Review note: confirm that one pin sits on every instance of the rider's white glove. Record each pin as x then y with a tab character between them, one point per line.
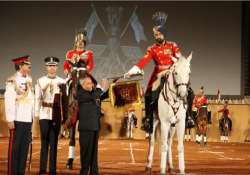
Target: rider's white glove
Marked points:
133	71
174	59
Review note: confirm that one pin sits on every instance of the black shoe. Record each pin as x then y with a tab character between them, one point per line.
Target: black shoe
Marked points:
69	164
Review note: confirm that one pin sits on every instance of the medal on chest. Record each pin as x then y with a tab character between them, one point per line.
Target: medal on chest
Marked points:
167	51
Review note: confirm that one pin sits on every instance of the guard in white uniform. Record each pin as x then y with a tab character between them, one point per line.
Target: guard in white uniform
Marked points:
50	107
19	102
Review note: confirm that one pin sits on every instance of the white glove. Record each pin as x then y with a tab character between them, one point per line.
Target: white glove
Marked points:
133	71
174	59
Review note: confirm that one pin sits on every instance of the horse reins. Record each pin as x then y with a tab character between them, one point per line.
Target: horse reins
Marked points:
165	93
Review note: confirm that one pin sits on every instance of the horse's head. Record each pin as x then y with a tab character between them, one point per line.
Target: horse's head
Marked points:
181	75
78	70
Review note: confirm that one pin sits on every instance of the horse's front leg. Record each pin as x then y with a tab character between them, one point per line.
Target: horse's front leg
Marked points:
151	147
180	136
131	128
205	132
128	128
72	141
170	159
165	127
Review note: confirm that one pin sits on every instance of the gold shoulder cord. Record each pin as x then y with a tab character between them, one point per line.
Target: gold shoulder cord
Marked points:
23	97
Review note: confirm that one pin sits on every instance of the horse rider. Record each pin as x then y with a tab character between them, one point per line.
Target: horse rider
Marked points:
164	54
50	108
224	116
19	103
200	100
77	54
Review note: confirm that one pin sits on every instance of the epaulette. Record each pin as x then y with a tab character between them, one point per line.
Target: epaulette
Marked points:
150	47
89	51
11	79
173	43
67	54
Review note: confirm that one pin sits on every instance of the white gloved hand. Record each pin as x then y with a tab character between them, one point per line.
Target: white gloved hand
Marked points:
126	75
174	59
133	71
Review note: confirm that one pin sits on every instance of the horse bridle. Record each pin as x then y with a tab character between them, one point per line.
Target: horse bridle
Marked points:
176	85
179	84
78	69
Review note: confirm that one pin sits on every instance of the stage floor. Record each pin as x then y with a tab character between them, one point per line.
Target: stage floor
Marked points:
128	157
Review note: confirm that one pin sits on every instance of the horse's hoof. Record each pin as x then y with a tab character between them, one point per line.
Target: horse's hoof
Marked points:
69	164
171	171
182	173
148	170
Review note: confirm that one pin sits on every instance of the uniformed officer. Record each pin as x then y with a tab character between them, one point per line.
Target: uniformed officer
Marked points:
225	116
19	102
50	106
164	53
200	100
77	54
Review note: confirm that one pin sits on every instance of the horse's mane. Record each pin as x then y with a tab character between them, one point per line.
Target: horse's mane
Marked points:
182	63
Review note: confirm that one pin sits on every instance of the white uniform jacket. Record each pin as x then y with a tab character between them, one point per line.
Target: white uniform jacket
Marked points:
45	91
19	98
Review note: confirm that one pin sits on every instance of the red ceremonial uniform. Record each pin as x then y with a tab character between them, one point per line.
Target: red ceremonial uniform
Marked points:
199	101
162	56
84	55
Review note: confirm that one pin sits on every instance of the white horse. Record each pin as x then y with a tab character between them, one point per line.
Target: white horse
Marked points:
171	111
130	125
152	137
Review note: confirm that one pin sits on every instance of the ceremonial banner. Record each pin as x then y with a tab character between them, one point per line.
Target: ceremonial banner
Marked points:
123	93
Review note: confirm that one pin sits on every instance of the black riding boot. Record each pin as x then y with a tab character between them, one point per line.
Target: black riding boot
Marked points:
147	121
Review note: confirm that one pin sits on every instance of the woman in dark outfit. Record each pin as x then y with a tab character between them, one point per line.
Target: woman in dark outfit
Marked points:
89	99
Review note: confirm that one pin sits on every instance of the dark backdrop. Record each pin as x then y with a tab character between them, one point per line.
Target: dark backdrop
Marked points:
212	30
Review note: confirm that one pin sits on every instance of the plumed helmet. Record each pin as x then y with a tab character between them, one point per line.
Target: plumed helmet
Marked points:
160	19
81	34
